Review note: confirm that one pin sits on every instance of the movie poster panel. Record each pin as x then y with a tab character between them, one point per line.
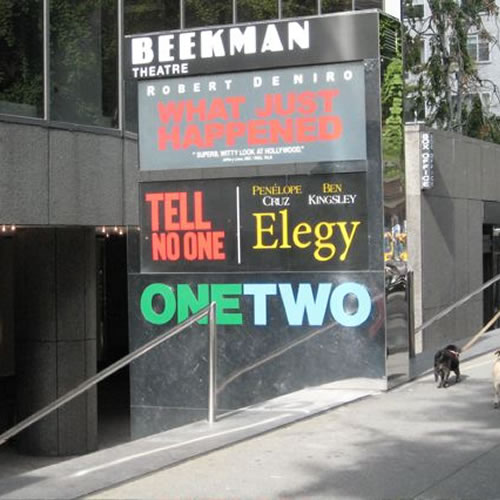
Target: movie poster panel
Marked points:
280	332
255	224
296	115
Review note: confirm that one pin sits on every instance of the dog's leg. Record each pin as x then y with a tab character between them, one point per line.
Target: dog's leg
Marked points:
446	377
496	399
457	373
440	378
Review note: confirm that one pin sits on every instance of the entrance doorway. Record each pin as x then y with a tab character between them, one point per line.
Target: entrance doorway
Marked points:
112	339
491	267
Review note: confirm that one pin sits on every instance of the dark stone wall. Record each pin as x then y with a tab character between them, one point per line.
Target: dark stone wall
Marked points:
55	327
66	177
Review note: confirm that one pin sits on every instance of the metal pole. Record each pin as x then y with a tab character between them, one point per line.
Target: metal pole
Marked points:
463	300
101	376
212	365
46	60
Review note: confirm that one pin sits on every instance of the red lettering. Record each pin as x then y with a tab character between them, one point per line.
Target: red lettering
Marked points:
268	107
205	250
257	132
218	245
330	127
173	246
193	109
158	246
171	211
172	109
235	102
198	212
328	95
165	246
278	131
307	104
185	224
192	137
284	108
190	246
213	131
155	199
217	110
164	137
234	130
306	126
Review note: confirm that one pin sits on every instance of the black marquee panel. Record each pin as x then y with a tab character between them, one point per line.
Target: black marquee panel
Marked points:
292	223
322	327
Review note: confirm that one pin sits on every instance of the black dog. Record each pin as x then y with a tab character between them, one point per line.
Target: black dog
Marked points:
446	361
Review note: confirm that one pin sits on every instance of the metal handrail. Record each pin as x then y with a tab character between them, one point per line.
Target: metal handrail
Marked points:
98	377
458	303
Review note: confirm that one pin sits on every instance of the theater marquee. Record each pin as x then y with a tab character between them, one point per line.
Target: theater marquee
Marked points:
299	115
273	223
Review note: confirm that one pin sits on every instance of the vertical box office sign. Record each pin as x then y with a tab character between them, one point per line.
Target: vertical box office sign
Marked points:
306	114
427	160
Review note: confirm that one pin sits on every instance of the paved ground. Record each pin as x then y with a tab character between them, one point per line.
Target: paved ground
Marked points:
414	442
410	441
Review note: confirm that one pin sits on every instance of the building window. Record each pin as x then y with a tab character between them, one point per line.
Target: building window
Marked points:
146	16
208	12
478	48
414	110
368	4
250	10
484	97
414	11
328	6
421	50
83	62
21	62
297	8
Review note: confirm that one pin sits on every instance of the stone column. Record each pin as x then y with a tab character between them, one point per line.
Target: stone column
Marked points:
55	324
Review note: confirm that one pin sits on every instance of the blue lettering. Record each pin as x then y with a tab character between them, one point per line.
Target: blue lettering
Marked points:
260	293
337	304
305	302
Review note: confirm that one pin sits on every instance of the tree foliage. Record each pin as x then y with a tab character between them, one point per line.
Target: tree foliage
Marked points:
392	94
448	79
21	68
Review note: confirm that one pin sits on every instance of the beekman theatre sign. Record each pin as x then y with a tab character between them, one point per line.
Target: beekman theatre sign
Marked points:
170	54
305	114
260	168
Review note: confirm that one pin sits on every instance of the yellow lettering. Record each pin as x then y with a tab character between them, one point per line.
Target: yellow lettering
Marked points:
284	229
259	230
300	229
347	238
332	188
321	239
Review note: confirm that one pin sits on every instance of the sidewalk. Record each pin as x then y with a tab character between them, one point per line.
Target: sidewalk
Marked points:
414	442
422	363
81	476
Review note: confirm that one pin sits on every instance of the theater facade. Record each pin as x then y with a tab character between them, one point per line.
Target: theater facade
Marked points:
270	167
157	158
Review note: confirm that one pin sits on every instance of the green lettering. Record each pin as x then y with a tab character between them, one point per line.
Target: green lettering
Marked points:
148	308
222	303
189	303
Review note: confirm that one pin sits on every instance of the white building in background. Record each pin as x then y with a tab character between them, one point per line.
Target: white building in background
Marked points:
393	7
485	51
